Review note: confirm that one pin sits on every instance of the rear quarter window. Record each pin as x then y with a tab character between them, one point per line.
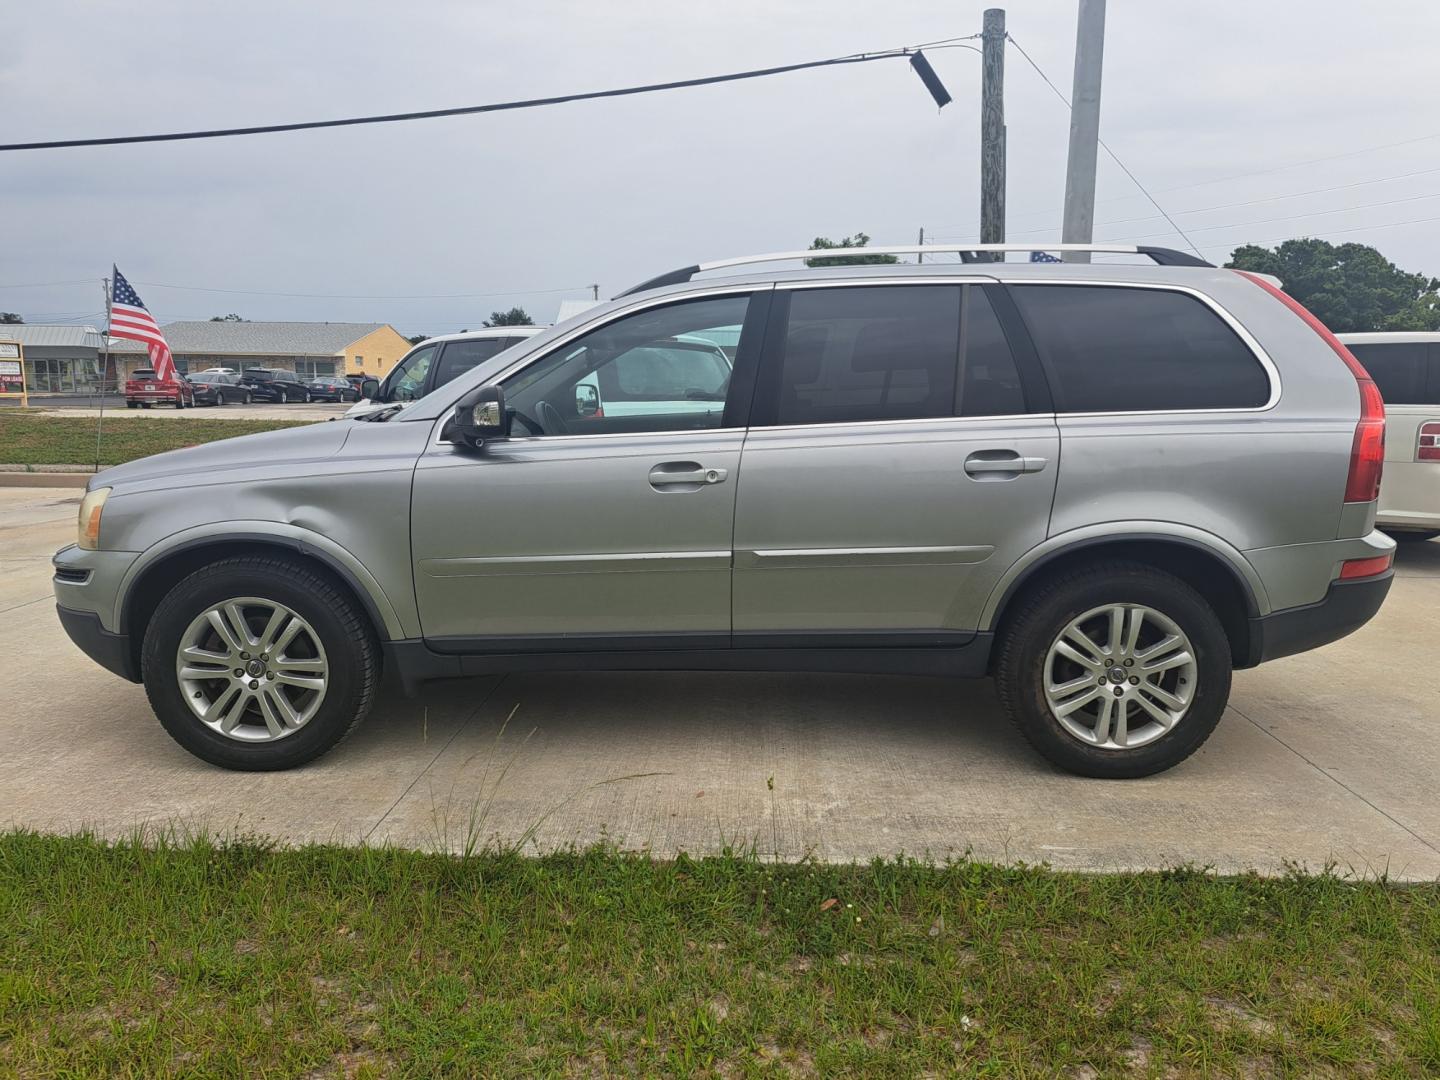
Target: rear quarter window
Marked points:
1123	349
1407	372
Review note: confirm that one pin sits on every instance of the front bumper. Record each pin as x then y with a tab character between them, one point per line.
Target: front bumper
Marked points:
1347	606
110	651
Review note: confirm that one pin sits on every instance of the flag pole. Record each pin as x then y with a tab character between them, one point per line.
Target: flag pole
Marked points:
104	367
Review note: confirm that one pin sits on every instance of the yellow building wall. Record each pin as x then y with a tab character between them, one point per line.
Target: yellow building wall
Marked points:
375	353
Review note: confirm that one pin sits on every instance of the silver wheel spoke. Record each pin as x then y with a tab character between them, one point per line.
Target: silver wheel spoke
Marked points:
1065	649
1164	645
1137	620
300	681
293	627
197	655
1160	715
1164	696
240	626
1080	701
1174	660
204	673
1122	722
288	663
267	710
267	636
1078	637
1102	723
227	635
1064	690
1117	631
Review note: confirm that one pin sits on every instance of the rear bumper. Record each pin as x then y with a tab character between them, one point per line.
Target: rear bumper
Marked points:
1348	605
110	651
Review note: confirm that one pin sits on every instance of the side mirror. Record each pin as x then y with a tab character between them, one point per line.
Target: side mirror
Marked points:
587	401
370	389
480	416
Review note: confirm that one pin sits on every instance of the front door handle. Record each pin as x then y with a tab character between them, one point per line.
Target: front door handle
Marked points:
1001	464
685	476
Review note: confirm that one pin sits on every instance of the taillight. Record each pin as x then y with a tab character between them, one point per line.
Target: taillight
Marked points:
1368	567
1367	449
1429	448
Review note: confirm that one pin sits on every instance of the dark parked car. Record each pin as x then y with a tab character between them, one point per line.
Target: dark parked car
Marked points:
332	388
273	384
219	388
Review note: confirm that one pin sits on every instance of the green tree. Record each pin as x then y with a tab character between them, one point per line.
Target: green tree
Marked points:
516	316
10	318
823	243
232	317
1349	287
415	339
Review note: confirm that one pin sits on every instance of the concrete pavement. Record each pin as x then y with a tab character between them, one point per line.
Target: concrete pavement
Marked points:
1327	757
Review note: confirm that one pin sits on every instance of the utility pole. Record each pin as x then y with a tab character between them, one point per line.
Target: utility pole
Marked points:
595	292
920	258
1079	222
992	131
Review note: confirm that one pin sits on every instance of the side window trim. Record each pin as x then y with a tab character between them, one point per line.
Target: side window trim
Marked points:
1272	373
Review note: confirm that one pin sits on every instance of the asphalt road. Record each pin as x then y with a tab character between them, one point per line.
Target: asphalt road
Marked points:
1330	757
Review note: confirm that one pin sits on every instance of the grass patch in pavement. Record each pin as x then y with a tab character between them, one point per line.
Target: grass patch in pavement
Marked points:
31	439
236	959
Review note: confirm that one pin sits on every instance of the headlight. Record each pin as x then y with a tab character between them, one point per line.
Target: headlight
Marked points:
90	508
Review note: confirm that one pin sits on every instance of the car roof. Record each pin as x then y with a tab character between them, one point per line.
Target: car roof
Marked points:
1390	337
487	332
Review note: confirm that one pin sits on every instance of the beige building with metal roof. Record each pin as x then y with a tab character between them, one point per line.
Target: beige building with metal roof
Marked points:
306	348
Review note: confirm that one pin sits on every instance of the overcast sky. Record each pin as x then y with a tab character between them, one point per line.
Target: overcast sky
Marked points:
1209	104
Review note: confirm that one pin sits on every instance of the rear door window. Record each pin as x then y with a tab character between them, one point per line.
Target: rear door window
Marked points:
861	353
1110	349
1407	372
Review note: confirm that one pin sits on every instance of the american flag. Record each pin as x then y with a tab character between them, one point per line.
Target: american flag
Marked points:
129	319
1042	256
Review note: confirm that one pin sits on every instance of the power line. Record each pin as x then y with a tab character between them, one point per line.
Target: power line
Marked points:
468	110
1291	217
1105	146
363	296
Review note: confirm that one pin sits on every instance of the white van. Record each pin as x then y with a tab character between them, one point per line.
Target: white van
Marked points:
1406	367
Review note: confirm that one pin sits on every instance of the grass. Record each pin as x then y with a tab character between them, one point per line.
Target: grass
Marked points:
238	959
28	438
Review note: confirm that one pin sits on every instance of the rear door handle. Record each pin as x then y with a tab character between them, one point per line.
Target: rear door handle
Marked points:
1001	464
685	476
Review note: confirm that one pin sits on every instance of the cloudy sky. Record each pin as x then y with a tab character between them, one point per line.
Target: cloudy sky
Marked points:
1250	122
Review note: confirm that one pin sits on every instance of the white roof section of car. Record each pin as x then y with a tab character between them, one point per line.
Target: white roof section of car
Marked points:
487	332
1390	337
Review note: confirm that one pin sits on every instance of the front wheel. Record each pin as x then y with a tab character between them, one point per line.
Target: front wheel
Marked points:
283	399
1117	670
257	663
308	397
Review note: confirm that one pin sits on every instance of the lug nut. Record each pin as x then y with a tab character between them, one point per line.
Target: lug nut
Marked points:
254	685
269	674
265	657
244	656
1129	661
1119	690
239	672
1134	681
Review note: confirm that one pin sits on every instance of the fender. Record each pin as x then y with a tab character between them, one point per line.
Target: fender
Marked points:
1111	532
339	559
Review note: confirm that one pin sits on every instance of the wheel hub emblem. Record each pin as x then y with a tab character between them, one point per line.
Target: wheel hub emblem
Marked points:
256	668
1117	674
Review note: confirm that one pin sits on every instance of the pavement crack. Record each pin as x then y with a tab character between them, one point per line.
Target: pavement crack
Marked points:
431	763
1336	780
27	603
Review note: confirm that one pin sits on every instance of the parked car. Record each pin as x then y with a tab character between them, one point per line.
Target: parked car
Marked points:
144	389
878	486
1406	367
332	388
274	384
435	362
218	388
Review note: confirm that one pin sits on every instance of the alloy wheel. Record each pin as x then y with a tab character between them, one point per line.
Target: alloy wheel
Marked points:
1120	676
252	669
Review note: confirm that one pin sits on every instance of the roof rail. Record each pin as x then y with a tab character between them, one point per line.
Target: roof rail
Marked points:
1162	257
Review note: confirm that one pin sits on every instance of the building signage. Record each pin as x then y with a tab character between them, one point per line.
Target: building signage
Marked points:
12	371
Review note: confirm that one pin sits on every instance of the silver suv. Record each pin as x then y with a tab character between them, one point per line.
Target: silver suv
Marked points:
1105	485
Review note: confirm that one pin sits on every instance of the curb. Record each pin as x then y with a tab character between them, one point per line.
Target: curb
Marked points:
44	479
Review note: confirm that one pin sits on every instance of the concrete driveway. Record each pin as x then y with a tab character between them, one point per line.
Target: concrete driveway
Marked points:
1328	757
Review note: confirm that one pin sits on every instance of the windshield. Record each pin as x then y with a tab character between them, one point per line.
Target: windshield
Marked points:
407	381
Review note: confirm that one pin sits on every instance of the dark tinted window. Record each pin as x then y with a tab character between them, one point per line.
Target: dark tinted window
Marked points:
1407	373
863	353
989	382
460	356
1112	349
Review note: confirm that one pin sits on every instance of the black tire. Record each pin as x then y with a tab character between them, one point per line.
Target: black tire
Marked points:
344	631
308	397
132	404
145	404
1412	536
1043	612
219	397
249	397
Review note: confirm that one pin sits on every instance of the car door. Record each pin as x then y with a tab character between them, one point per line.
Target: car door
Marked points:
901	456
582	531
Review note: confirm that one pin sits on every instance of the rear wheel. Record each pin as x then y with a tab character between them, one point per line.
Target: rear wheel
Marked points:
132	404
1117	670
283	399
256	663
308	397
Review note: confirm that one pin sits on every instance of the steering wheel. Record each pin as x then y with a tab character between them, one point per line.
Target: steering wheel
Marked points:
550	419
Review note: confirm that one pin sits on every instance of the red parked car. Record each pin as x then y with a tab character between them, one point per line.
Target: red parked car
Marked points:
144	389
